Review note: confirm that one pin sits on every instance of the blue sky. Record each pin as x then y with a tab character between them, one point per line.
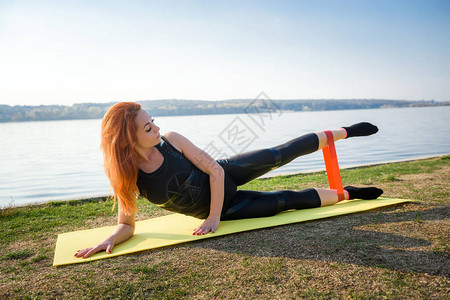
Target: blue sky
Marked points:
64	52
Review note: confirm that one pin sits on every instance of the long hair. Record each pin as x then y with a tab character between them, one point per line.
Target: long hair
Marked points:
118	139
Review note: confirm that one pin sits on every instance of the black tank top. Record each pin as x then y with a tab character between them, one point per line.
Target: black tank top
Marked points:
177	185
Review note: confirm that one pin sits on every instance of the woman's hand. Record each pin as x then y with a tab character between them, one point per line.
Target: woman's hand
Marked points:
107	245
121	233
210	224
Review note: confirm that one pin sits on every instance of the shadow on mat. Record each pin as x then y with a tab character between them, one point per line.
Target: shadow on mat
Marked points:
354	239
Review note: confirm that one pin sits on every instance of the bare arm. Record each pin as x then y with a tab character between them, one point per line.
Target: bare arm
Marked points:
123	231
207	164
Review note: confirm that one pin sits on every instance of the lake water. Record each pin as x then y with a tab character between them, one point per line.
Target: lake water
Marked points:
59	160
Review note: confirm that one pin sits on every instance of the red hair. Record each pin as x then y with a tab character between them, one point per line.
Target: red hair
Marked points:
118	139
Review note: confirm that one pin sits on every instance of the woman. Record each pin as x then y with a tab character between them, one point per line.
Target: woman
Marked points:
173	173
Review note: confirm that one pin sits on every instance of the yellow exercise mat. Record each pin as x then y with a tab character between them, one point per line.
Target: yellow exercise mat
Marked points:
176	229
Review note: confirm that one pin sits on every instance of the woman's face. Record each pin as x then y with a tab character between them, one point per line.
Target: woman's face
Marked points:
147	133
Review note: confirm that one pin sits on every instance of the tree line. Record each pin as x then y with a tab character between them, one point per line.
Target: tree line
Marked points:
175	107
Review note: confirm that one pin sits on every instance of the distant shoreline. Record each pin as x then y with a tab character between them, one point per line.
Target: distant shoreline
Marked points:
354	166
174	107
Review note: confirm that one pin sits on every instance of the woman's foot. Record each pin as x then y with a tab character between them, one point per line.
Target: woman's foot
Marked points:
367	193
361	129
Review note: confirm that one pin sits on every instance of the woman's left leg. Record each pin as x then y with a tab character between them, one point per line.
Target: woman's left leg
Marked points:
245	167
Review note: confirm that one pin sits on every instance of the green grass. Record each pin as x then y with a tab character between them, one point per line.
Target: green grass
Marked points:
361	175
397	252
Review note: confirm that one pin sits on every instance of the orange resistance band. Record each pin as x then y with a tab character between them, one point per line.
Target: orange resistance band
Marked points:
332	166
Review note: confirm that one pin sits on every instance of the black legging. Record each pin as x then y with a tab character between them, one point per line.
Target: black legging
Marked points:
242	168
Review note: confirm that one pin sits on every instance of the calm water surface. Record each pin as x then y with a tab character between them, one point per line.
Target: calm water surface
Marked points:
58	160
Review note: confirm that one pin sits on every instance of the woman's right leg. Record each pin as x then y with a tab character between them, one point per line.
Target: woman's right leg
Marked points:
253	204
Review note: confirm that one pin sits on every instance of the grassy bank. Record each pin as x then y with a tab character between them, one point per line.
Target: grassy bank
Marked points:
397	252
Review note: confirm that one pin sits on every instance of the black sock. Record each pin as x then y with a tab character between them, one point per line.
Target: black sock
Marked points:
367	193
361	129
